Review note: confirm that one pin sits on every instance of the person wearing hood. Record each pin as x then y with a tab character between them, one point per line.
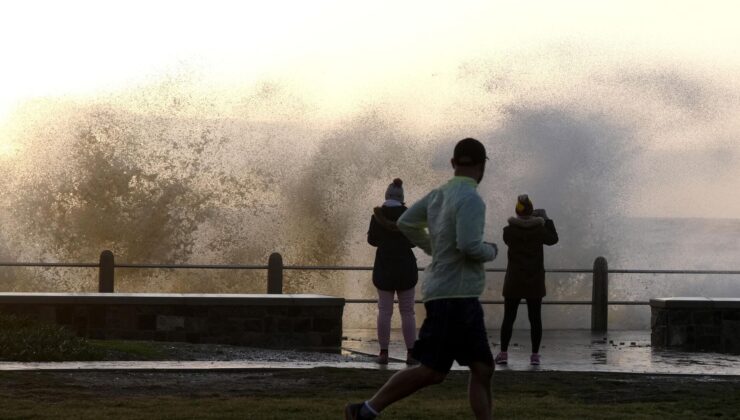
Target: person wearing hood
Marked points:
525	236
394	271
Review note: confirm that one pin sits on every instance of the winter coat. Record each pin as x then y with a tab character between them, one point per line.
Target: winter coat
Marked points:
525	271
395	263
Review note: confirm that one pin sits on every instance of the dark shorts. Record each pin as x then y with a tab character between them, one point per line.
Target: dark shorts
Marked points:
452	331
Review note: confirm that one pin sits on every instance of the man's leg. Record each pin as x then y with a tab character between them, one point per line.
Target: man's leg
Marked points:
431	349
403	384
479	389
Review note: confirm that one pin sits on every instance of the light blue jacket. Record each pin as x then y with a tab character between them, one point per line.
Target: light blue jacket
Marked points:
454	215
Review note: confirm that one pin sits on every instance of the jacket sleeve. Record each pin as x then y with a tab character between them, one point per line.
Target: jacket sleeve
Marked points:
373	233
470	221
507	235
551	235
407	243
413	225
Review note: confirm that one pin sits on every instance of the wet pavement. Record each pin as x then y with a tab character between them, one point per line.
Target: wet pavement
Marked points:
562	350
582	351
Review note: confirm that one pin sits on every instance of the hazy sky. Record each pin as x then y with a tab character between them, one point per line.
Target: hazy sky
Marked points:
340	56
337	51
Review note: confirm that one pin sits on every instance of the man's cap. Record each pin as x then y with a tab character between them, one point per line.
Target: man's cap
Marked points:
469	152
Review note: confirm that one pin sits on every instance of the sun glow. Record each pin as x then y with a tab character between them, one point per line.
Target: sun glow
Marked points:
341	55
666	68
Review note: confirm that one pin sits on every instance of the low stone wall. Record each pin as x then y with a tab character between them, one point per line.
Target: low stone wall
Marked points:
696	324
311	322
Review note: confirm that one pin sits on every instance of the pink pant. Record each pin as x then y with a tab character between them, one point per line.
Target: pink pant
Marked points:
385	313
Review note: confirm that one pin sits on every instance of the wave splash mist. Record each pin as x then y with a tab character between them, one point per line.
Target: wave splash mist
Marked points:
170	181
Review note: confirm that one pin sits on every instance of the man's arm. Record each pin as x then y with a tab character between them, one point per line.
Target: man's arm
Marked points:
413	224
470	222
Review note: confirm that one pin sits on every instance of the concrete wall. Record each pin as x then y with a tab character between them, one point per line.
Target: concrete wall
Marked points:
311	322
696	324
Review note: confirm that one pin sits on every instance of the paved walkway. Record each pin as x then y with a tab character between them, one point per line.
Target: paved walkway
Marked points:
582	351
568	350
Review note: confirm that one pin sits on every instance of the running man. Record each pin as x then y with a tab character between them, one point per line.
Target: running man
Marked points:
448	225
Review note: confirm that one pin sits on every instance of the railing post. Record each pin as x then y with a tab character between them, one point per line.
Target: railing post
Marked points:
600	296
275	274
107	266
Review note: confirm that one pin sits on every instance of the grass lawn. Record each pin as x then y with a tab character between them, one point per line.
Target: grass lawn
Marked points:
318	393
321	394
27	340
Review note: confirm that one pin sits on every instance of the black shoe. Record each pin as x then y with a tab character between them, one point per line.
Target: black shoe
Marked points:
410	359
382	358
352	411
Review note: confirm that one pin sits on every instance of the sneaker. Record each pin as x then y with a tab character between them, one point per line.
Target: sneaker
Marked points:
534	359
410	359
502	358
382	358
352	411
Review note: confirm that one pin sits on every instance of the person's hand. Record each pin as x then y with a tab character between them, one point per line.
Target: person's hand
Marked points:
540	213
494	246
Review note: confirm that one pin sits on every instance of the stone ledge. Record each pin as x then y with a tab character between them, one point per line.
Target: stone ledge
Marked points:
696	303
270	321
171	299
696	324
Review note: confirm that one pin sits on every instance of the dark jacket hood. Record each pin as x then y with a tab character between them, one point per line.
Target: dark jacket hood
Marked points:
387	216
529	222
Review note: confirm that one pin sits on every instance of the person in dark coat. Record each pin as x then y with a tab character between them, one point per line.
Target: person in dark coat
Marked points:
394	271
525	236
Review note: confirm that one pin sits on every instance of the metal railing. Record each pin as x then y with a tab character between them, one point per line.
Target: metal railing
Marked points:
599	296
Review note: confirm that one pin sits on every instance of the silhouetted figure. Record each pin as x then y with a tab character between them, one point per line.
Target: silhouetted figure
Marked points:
525	272
394	271
447	224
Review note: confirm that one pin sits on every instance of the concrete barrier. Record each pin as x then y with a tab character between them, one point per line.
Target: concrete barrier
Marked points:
696	324
309	322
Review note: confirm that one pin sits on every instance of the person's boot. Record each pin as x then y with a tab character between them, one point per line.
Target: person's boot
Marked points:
410	358
382	358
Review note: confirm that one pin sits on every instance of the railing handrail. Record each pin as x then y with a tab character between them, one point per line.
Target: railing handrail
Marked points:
43	264
544	302
126	265
599	299
344	268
